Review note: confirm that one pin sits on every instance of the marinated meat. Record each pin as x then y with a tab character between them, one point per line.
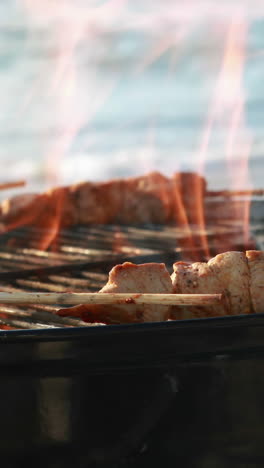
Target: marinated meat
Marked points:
146	199
97	203
195	278
235	275
232	270
135	200
226	274
126	201
129	278
256	269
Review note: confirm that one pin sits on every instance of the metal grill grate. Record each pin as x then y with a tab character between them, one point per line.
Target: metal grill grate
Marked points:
79	260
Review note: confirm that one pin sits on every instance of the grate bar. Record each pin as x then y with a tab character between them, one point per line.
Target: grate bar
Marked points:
40	317
169	255
83	257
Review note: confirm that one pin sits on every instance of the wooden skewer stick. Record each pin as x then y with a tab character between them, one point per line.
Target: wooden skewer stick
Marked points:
14	184
107	298
235	193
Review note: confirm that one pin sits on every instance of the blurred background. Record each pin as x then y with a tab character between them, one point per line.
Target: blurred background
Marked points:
91	90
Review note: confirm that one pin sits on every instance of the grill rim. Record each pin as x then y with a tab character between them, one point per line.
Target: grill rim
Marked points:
115	349
73	333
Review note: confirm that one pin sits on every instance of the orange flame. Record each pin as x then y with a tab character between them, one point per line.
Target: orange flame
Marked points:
228	112
232	78
187	190
68	28
188	206
46	212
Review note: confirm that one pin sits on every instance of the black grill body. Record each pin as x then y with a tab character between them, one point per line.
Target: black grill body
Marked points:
171	394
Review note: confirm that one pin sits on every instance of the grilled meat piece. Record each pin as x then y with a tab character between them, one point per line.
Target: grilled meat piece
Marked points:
96	203
146	199
135	200
196	278
227	273
236	275
125	201
129	278
256	269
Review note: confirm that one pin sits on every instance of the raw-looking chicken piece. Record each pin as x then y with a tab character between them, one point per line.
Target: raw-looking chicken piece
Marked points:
256	268
129	278
226	274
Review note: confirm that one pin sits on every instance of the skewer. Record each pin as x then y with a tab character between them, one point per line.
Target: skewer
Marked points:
14	184
109	298
234	193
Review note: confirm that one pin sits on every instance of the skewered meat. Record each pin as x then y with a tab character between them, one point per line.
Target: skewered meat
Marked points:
149	277
145	199
238	276
181	200
256	269
227	273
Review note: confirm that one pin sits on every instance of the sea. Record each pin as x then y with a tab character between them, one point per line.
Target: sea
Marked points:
93	90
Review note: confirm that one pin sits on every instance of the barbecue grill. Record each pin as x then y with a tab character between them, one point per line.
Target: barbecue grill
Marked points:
187	392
